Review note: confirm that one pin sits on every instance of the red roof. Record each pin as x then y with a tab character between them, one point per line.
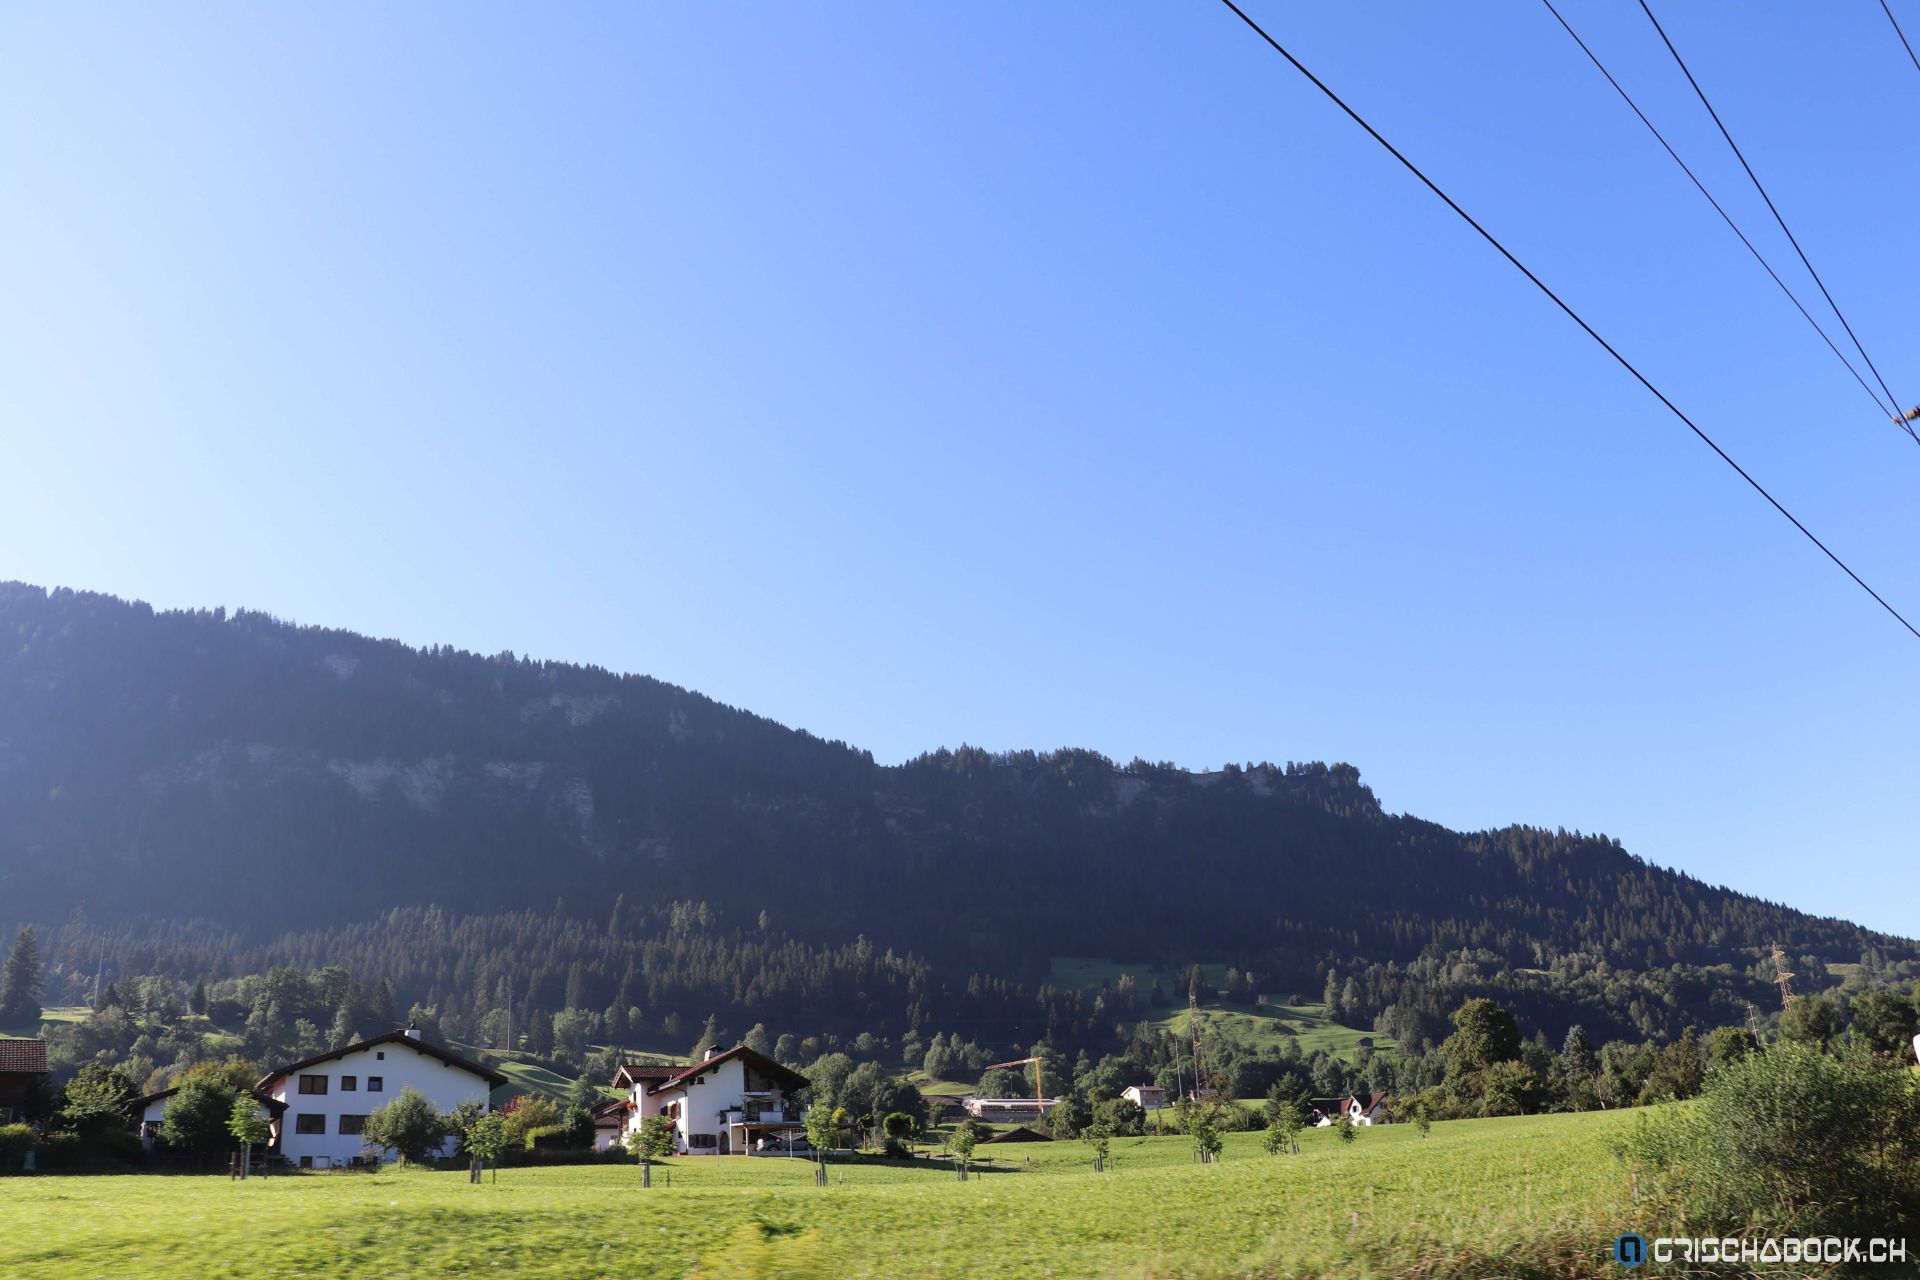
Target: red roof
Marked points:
23	1057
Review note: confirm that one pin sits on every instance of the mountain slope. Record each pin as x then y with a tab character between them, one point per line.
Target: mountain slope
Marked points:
271	778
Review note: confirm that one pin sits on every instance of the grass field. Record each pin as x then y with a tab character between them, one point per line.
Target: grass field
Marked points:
1487	1198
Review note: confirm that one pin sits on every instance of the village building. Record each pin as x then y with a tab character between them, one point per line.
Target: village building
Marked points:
1362	1109
23	1064
150	1111
326	1099
1009	1110
729	1103
1148	1097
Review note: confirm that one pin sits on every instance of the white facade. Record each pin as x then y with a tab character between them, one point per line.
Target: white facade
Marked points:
727	1105
1148	1097
328	1100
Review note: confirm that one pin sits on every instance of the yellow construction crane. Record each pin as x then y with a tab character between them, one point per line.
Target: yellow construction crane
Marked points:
1039	1078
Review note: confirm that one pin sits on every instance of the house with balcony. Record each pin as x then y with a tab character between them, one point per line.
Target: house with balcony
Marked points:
729	1103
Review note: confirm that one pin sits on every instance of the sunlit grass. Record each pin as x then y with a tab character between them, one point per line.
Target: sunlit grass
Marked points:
1477	1198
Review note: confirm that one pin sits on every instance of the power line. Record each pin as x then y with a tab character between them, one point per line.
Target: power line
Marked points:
1772	208
1890	411
1571	314
1904	43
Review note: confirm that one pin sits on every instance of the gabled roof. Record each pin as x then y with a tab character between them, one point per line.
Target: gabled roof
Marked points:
493	1078
23	1057
613	1110
758	1061
260	1096
634	1072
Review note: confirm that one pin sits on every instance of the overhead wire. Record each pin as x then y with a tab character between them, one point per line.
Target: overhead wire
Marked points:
1886	410
1771	207
1570	313
1904	42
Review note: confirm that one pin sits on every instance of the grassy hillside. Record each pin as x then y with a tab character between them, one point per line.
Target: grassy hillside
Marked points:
1486	1198
1268	1024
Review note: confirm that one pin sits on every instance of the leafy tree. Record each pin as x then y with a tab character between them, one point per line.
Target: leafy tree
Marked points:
1885	1022
1346	1128
899	1126
1810	1020
653	1140
1727	1045
486	1140
21	981
1485	1034
961	1141
247	1126
96	1099
756	1039
1792	1140
463	1118
823	1126
410	1125
1678	1071
1099	1136
196	1118
525	1114
1506	1089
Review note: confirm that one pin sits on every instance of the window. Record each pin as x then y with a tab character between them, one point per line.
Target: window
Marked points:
380	1055
313	1084
309	1122
352	1124
349	1083
703	1140
376	1084
306	1162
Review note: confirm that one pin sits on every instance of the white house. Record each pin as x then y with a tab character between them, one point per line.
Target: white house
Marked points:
148	1112
726	1104
1363	1108
1148	1097
327	1098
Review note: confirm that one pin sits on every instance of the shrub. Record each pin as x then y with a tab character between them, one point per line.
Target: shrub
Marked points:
1791	1140
14	1141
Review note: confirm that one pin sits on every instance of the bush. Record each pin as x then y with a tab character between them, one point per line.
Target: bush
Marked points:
1794	1141
14	1141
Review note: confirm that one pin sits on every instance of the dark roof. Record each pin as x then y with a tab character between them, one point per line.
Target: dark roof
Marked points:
1022	1134
759	1061
260	1096
493	1078
635	1071
613	1109
23	1057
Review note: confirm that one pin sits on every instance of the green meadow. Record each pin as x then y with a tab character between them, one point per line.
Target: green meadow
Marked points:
1537	1196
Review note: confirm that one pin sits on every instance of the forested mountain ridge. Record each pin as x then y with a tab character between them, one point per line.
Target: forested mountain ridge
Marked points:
270	779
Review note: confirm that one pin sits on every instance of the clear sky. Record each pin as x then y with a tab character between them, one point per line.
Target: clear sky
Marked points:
1019	375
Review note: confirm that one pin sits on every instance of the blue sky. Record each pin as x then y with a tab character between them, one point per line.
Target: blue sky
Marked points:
1017	375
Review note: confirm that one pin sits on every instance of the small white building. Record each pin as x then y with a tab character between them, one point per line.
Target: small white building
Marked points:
150	1111
728	1103
1148	1097
327	1098
1363	1109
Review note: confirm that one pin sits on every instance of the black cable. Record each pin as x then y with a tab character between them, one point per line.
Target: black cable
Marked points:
1885	409
1758	186
1571	314
1903	35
